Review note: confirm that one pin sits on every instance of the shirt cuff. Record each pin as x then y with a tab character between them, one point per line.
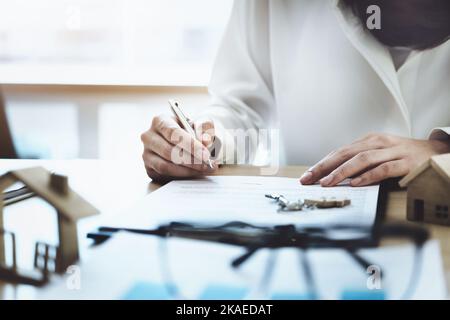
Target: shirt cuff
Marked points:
442	133
223	144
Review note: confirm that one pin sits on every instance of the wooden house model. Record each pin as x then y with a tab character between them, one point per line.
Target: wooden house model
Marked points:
70	207
429	191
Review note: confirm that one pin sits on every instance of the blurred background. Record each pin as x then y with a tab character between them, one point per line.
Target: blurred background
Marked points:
83	78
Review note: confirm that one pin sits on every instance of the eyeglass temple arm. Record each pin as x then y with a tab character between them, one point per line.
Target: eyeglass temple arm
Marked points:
309	276
236	263
364	263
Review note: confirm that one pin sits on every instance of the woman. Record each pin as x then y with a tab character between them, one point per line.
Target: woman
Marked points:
327	79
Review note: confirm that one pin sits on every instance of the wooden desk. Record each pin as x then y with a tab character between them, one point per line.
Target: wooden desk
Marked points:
125	182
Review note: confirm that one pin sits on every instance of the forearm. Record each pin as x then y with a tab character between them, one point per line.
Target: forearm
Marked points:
242	101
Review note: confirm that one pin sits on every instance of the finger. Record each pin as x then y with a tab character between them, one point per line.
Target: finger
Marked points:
336	158
361	162
167	168
157	144
154	142
385	170
173	133
332	161
204	130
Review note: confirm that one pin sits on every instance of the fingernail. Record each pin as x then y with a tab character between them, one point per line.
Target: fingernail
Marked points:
327	180
306	177
356	181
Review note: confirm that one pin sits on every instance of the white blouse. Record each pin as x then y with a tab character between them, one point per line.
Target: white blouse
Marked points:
310	71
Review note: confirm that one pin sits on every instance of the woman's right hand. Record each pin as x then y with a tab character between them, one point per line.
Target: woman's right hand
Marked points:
170	152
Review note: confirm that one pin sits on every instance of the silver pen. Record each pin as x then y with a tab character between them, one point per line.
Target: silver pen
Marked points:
184	121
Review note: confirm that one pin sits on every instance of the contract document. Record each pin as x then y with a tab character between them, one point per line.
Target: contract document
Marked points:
220	199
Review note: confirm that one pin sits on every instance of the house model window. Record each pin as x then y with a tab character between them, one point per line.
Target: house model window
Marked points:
69	206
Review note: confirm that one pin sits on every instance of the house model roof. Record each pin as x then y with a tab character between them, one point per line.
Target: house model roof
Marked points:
70	205
440	163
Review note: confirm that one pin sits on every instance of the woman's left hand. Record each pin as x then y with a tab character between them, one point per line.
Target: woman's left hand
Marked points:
373	158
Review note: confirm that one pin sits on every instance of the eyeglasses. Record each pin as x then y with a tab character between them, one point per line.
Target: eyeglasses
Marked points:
252	238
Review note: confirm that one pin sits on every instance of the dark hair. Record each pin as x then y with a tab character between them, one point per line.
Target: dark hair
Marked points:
417	24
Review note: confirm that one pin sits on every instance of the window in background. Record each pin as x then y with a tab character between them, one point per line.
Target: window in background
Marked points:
120	42
44	130
171	42
121	124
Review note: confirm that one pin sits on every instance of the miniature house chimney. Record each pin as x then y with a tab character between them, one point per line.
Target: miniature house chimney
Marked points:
59	183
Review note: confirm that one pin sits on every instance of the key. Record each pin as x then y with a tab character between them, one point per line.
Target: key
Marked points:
293	206
285	204
273	196
279	198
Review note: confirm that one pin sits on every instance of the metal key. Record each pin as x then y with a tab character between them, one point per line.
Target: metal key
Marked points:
273	196
279	198
293	206
286	205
